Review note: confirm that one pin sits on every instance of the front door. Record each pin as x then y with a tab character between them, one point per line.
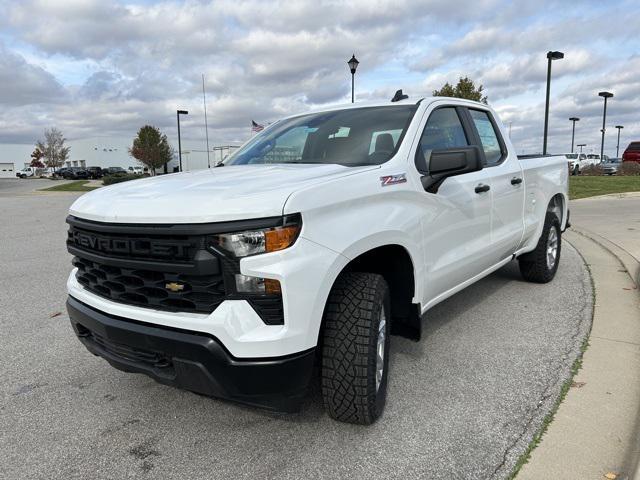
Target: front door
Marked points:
457	218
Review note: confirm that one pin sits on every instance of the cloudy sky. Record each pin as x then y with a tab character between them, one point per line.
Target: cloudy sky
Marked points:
105	68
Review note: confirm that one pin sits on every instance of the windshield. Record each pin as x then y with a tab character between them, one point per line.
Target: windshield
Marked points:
593	156
571	156
352	137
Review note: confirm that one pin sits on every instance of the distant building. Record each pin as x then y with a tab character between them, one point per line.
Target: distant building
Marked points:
106	152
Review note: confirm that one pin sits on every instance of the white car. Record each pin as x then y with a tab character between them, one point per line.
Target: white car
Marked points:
314	242
27	172
576	161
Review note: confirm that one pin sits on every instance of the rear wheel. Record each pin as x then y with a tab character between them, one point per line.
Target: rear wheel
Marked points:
576	170
355	348
541	264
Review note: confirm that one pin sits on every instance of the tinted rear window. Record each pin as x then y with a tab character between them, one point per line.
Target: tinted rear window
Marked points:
635	146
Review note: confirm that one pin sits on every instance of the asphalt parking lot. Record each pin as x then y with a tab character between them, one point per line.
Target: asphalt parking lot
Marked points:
463	403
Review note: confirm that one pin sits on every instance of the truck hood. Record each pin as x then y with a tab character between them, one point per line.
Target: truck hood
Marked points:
215	195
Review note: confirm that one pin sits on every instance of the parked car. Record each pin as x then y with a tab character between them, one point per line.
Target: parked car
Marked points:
114	171
611	166
136	170
231	282
595	158
94	172
27	172
632	153
75	173
576	161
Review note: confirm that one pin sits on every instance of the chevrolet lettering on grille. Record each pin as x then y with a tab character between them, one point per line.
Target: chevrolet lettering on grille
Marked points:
128	246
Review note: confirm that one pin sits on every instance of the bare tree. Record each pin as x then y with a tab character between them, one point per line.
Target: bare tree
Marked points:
53	150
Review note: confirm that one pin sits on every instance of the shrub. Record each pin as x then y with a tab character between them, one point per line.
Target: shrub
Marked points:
111	179
629	169
591	170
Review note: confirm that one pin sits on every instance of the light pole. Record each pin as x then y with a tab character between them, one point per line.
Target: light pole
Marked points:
619	127
178	113
353	65
551	56
573	131
582	145
605	95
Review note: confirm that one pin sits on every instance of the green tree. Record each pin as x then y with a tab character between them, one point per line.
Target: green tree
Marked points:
465	88
52	148
151	148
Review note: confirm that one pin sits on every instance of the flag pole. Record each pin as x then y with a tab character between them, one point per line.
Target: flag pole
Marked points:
206	128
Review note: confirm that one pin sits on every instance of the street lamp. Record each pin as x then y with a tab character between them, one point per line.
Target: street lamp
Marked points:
573	132
353	65
582	145
180	112
619	127
550	57
605	95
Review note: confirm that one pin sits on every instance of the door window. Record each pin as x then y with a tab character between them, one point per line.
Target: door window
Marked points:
488	136
443	130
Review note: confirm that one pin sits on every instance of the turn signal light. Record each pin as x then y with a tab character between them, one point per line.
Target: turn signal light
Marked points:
280	238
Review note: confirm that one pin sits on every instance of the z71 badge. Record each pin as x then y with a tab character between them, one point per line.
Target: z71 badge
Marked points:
393	179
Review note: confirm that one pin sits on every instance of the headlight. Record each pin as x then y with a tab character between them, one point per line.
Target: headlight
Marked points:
253	242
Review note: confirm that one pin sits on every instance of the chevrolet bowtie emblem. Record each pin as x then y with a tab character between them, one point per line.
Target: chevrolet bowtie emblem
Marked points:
174	287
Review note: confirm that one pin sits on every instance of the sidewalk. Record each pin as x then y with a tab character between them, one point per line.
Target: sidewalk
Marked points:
596	430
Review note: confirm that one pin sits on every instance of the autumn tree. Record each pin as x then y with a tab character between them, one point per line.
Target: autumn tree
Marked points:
151	148
465	88
52	148
36	159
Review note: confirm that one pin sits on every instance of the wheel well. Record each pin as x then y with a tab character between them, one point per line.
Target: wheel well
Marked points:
556	205
394	264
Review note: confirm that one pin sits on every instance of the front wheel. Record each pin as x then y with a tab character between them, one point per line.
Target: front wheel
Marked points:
355	348
541	265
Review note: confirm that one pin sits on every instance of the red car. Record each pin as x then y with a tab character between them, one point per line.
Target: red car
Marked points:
632	153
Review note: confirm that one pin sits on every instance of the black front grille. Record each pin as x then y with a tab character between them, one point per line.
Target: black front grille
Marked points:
161	267
148	288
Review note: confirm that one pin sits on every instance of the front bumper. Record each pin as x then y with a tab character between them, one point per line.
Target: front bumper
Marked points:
193	361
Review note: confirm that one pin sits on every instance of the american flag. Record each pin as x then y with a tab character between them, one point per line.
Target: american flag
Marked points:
256	127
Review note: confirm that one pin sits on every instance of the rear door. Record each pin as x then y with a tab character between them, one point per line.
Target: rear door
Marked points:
507	185
457	218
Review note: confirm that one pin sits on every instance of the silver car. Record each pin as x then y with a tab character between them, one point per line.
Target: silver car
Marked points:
610	166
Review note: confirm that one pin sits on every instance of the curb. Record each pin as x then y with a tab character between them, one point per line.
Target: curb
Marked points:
630	263
608	195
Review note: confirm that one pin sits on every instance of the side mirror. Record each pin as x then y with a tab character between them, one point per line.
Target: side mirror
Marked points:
447	163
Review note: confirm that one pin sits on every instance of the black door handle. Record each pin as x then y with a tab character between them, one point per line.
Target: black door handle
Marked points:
516	181
482	188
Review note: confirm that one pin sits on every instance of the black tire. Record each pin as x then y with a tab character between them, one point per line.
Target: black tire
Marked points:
534	266
576	170
355	309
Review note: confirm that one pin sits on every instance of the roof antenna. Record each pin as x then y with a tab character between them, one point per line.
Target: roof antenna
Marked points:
399	96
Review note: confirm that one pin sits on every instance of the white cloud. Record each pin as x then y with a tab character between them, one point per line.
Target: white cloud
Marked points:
137	63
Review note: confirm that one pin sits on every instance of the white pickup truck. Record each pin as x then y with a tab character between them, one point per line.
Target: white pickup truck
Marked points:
310	245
